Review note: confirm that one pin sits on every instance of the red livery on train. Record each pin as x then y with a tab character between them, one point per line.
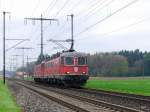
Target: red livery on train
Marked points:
68	69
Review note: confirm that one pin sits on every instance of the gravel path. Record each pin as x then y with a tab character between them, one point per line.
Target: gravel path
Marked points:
33	102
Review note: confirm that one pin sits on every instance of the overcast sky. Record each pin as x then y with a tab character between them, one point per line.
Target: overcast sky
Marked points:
119	26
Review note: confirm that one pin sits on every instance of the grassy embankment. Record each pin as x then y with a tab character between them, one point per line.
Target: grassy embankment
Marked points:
7	102
126	85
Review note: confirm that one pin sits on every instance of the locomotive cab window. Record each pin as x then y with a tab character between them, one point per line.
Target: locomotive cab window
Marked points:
69	61
82	60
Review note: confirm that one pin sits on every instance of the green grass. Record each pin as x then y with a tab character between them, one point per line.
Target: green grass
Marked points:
133	86
7	102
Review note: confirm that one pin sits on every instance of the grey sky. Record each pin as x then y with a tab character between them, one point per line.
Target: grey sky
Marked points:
127	29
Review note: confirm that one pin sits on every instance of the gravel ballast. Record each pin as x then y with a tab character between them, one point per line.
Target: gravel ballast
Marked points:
33	102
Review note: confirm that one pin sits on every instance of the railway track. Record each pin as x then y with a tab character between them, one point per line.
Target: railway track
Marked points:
117	94
133	101
138	102
76	102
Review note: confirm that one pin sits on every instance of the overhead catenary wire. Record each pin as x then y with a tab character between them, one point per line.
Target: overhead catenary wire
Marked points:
62	27
99	8
31	34
105	18
57	43
74	7
15	45
85	10
128	26
95	3
123	28
91	13
58	12
50	5
63	6
66	2
59	31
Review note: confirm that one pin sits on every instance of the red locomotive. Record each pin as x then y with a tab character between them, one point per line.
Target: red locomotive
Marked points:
69	69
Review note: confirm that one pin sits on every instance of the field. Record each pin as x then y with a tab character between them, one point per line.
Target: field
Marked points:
7	102
140	85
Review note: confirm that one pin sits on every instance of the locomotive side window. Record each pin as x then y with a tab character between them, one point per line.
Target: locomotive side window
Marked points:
82	60
69	61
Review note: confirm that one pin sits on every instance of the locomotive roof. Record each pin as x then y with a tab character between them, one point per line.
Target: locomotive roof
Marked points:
73	54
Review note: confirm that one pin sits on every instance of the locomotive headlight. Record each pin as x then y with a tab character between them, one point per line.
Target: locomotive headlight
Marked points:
84	72
67	72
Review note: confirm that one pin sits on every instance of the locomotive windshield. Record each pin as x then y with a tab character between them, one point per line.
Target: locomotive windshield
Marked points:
82	60
69	61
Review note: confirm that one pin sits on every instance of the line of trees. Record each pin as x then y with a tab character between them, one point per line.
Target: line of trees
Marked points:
122	63
107	64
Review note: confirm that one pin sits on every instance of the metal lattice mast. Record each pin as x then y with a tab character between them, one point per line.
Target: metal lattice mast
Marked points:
41	20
